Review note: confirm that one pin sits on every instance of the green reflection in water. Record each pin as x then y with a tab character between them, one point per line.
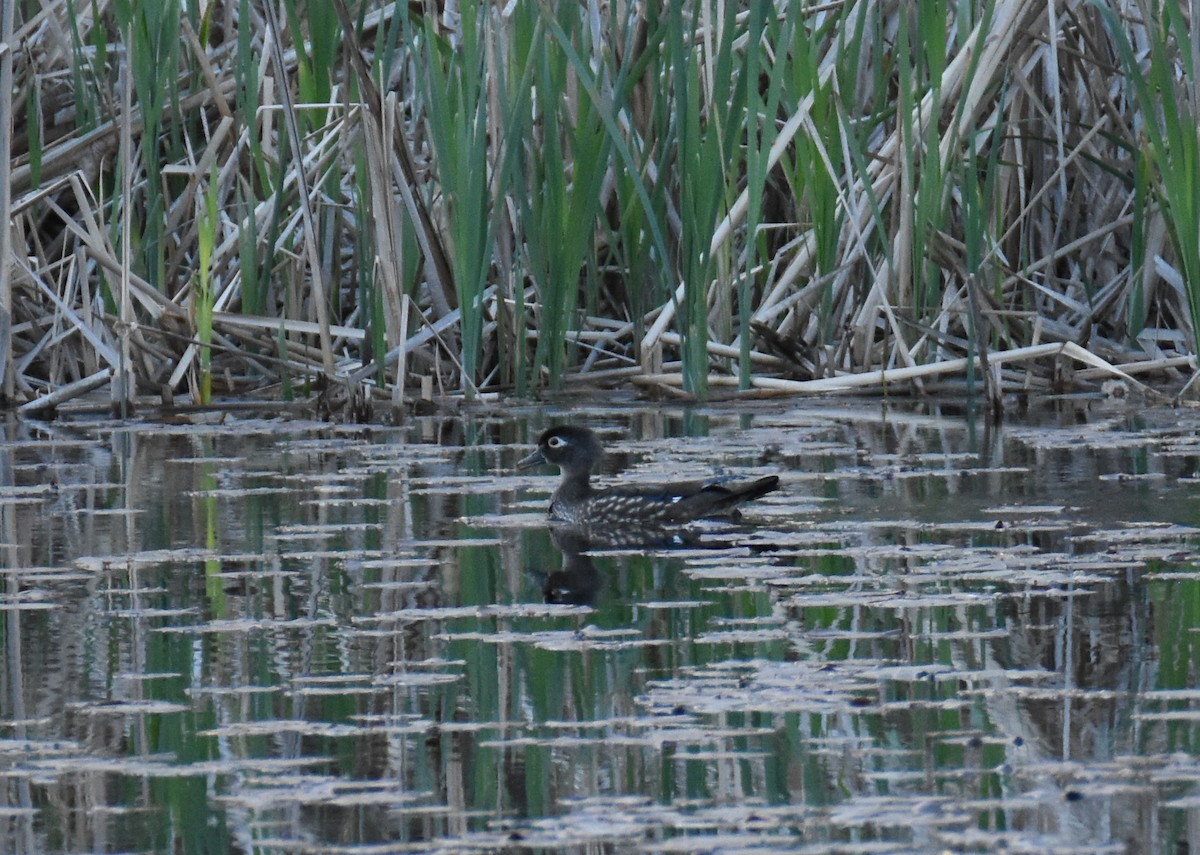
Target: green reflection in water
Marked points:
952	659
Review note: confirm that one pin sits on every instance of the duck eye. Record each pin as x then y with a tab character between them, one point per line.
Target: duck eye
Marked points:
556	442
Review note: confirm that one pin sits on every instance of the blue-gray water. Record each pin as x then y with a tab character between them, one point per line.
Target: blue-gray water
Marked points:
273	636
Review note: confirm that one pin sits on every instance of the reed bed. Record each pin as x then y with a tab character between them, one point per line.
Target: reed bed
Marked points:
389	201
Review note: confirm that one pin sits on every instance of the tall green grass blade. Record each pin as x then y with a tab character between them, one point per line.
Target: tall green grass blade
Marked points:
761	134
816	171
154	59
33	110
457	111
932	188
370	292
709	104
563	200
629	166
204	293
84	73
324	33
514	82
245	71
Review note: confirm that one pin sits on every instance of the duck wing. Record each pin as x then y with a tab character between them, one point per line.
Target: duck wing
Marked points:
687	500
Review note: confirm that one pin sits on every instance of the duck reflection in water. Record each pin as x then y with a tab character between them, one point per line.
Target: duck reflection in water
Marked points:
579	582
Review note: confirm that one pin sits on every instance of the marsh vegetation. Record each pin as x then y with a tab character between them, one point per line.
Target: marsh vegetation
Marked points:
399	200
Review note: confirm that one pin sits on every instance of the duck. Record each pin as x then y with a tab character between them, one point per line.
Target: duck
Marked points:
576	450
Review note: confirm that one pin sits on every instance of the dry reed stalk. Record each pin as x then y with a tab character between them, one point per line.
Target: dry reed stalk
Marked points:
884	378
316	270
7	379
99	346
403	165
724	351
388	239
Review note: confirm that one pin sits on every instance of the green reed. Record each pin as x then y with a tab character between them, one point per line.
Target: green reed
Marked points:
1137	251
761	132
814	168
85	73
1165	87
456	104
36	146
921	60
564	171
370	291
709	108
316	50
642	203
153	56
245	71
203	294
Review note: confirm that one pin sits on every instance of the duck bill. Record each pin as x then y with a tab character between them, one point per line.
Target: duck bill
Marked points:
535	459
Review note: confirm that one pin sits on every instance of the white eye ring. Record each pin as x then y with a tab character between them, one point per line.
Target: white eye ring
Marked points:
556	442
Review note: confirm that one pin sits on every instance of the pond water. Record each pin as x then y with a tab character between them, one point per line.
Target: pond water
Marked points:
274	636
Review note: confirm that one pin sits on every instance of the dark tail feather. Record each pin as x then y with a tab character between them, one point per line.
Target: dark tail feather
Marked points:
755	489
736	494
716	500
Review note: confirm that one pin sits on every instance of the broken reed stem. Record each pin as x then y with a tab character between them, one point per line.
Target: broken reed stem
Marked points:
67	392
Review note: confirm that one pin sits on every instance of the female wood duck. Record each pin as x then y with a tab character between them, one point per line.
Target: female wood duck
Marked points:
575	450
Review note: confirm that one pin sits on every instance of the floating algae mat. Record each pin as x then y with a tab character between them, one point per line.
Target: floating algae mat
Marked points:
275	636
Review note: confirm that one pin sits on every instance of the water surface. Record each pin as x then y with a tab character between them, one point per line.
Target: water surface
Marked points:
275	636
